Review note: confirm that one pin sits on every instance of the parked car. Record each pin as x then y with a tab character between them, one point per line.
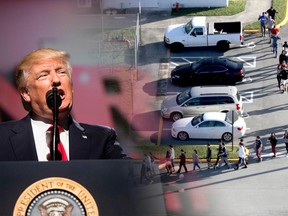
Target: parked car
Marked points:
210	125
201	99
199	33
209	71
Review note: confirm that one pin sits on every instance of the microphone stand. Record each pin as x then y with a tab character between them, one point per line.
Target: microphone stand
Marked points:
55	129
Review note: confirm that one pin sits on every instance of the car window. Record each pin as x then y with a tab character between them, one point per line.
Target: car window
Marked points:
195	65
231	63
183	96
188	27
198	31
212	124
193	102
208	100
219	124
212	68
225	100
207	124
197	119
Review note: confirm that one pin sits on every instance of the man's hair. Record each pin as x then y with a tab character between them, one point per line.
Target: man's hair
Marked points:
23	68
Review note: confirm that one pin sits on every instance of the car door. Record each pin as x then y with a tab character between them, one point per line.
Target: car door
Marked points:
192	107
209	129
219	128
219	74
197	37
226	103
209	104
204	130
212	74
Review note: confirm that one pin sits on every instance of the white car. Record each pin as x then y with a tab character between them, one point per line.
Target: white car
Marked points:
210	125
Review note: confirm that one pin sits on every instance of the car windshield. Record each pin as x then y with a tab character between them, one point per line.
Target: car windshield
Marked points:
188	27
232	116
184	96
197	119
195	65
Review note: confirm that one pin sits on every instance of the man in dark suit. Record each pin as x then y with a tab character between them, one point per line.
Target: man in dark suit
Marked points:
27	139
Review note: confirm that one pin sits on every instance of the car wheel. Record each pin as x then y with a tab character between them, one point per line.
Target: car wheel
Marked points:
223	46
176	116
227	137
183	135
177	47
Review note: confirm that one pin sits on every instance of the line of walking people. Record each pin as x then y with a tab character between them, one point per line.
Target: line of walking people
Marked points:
148	162
222	154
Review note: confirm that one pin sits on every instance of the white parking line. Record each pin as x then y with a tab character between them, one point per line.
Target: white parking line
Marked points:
248	64
247	97
248	61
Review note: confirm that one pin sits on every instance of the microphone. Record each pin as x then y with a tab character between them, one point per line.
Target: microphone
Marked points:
54	101
53	98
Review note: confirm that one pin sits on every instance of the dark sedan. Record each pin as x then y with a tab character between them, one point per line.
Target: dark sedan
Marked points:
209	71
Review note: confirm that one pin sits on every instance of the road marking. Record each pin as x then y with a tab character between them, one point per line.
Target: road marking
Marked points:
185	59
248	61
248	65
247	97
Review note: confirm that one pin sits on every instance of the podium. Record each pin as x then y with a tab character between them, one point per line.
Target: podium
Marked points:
90	187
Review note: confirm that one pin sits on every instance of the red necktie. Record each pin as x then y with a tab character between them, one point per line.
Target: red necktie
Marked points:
61	153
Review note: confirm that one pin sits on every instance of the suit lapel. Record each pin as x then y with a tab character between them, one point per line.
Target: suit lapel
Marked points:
24	145
23	141
78	142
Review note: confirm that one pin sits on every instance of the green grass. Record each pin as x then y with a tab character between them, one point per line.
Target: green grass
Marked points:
280	6
160	151
234	7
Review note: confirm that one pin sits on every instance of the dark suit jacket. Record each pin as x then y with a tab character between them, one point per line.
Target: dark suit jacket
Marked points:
85	141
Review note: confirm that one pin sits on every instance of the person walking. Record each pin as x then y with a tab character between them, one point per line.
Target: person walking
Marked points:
275	39
285	46
258	147
263	20
147	160
153	163
283	57
182	158
271	12
219	153
143	173
285	138
224	157
270	25
196	160
172	157
241	155
273	141
247	152
208	155
168	165
282	76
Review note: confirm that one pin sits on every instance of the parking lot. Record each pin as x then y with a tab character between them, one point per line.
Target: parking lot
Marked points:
264	103
208	192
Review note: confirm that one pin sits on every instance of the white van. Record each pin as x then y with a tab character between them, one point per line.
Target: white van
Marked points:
201	99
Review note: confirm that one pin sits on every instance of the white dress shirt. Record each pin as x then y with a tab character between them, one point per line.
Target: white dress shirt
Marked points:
42	143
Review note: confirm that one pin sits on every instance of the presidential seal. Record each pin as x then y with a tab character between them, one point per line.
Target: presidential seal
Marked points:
55	197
